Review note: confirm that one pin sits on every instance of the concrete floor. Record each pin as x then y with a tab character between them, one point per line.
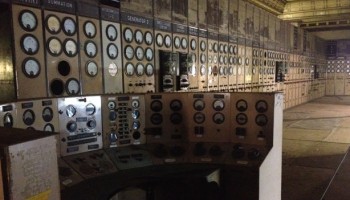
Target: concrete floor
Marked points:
316	138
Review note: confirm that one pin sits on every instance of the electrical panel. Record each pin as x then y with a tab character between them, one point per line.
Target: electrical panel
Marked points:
130	157
80	124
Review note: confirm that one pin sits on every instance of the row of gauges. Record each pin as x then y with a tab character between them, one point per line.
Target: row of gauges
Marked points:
338	61
261	107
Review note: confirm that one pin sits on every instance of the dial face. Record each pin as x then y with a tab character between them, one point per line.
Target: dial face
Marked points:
230	70
139	53
193	44
218	105
159	39
218	118
167	41
89	29
30	44
230	49
138	36
261	120
241	118
72	86
203	58
71	111
128	35
112	51
49	128
54	46
31	68
70	48
8	120
149	70
112	69
69	26
225	48
90	49
47	114
221	71
90	109
203	70
140	69
215	47
175	105
241	105
135	103
221	59
91	68
203	46
28	20
149	54
199	104
156	118
225	60
53	24
111	32
177	42
148	38
221	48
184	43
156	106
129	52
129	69
199	117
28	117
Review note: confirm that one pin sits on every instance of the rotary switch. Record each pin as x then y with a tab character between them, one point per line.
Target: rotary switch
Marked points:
91	124
71	126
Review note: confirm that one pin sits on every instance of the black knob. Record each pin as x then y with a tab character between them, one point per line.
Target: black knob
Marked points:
91	124
71	126
254	154
112	115
136	135
199	149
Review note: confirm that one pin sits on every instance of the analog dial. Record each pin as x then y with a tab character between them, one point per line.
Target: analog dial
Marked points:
184	43
199	117
203	46
31	68
193	44
90	49
138	36
112	51
167	41
140	69
199	104
69	26
177	42
53	24
218	105
159	40
28	117
54	46
149	54
129	52
128	35
241	118
175	105
47	114
149	70
70	48
203	58
261	106
148	38
112	69
89	29
129	69
111	32
91	68
139	53
90	109
241	105
49	128
215	47
28	20
261	120
218	118
203	70
30	44
72	86
135	103
71	111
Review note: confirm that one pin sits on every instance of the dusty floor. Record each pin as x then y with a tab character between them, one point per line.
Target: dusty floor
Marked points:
316	138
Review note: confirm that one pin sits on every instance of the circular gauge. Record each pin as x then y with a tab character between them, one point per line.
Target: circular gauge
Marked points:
90	49
28	117
112	51
261	120
231	49
69	26
184	43
138	36
156	106
111	105
230	70
203	70
193	44
225	48
203	45
234	70
29	44
210	70
128	35
111	32
241	118
129	69
175	105
149	69
221	71
261	106
139	53
47	114
135	103
28	20
90	109
235	50
221	59
225	60
54	46
177	42
140	69
247	61
148	38
218	118
241	105
159	40
71	111
70	47
167	41
176	118
71	126
31	67
112	69
49	128
199	104
129	52
136	124
149	54
218	105
221	48
8	120
156	118
53	24
89	29
72	86
215	47
203	58
231	60
199	117
91	68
